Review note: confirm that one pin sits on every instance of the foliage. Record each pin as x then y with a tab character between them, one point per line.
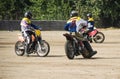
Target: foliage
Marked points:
106	11
12	9
50	9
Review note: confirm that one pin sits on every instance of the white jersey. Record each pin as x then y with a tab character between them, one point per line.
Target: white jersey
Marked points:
80	24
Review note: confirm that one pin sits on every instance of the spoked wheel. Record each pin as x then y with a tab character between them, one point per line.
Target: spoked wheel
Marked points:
69	50
19	48
99	37
43	48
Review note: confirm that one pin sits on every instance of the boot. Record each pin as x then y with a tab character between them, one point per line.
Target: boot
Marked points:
26	50
89	48
92	53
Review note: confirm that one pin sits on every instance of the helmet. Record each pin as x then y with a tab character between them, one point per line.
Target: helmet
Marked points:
89	15
74	13
28	15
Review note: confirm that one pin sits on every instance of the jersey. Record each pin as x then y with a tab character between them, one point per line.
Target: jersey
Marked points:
71	24
25	24
90	23
80	24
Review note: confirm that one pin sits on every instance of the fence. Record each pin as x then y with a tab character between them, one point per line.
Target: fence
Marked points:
45	25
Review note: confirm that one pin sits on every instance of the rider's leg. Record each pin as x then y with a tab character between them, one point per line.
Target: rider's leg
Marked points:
79	36
87	34
27	42
89	48
86	44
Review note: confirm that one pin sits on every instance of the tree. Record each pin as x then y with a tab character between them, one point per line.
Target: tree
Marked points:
50	9
110	12
13	9
106	11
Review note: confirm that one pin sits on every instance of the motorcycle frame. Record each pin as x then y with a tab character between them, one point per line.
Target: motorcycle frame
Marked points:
74	42
93	33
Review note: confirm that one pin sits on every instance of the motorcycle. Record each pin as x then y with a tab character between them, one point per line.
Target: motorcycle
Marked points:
39	46
96	35
75	47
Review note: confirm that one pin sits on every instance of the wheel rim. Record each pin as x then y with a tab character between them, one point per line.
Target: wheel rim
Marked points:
99	38
19	48
43	49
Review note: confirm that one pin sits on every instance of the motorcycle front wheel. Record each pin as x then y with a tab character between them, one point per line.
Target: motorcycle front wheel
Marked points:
69	50
99	37
19	48
43	48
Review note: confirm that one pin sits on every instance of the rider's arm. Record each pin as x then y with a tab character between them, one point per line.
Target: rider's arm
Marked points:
81	24
66	27
24	23
35	27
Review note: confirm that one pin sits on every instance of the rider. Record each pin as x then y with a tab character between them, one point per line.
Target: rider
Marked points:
26	25
90	22
73	25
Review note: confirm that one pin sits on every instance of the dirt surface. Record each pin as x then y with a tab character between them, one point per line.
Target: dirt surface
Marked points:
104	65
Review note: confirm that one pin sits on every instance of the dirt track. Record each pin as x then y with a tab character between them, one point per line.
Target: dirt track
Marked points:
104	65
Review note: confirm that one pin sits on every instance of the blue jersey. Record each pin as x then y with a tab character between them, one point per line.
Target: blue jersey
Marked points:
71	24
71	27
90	23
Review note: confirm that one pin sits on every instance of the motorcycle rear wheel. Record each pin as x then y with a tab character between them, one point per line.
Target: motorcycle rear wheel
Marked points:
99	37
19	48
69	50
